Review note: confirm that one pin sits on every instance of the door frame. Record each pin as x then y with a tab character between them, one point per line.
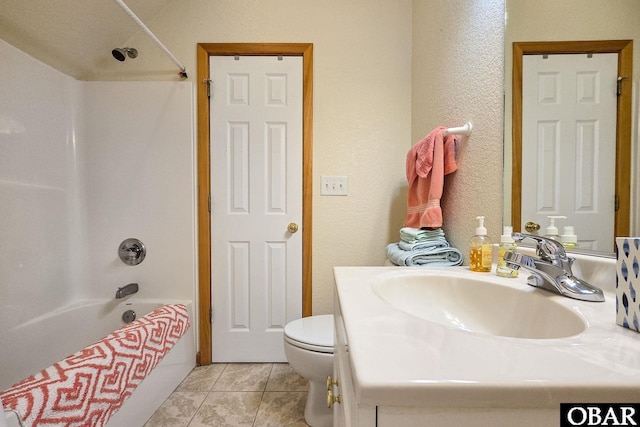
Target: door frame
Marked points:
204	51
624	49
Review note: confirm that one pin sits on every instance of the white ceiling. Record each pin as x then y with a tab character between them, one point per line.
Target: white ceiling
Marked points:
73	36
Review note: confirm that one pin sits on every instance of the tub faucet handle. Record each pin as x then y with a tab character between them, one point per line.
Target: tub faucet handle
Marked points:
132	251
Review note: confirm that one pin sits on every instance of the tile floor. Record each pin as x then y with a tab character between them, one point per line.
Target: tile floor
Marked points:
235	394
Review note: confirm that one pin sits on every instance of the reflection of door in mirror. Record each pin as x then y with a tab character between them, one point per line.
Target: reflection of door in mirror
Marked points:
568	143
623	127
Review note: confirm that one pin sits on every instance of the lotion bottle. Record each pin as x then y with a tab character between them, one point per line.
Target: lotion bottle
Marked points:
481	250
506	243
551	232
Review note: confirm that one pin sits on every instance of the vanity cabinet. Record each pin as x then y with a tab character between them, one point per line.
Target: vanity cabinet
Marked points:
341	393
346	410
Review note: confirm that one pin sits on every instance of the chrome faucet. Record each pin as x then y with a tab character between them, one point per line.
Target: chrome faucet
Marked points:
552	270
129	289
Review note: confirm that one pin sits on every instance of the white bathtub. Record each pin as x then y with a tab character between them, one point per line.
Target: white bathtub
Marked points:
37	344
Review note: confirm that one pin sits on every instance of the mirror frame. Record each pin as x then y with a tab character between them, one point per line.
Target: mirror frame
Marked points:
624	49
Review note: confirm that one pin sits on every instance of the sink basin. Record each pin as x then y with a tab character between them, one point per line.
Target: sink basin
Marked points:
481	306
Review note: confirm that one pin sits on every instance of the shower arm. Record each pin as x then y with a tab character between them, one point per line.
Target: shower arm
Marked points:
125	8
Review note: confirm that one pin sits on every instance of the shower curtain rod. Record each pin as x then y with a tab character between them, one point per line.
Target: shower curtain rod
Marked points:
125	8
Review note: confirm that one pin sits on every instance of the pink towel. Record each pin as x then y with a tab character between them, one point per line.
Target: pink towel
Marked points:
428	162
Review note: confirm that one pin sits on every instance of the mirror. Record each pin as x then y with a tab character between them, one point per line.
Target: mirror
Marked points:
563	22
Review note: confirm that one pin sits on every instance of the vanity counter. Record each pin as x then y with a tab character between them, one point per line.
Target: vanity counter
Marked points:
400	360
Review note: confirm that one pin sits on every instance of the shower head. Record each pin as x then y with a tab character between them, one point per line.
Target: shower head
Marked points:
121	54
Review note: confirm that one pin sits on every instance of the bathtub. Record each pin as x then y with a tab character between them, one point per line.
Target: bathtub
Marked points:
40	342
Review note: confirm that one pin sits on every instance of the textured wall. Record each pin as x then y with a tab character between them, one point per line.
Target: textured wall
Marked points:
457	77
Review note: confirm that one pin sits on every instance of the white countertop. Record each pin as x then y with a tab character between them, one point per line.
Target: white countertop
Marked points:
402	360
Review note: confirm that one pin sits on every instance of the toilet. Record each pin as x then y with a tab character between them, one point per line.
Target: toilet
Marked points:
308	346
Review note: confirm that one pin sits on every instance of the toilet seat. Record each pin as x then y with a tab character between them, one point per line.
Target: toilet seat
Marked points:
314	333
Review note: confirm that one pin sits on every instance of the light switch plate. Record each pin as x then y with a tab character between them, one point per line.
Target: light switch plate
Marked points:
333	186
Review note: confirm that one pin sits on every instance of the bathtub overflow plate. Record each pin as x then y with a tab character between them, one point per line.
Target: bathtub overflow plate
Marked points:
128	316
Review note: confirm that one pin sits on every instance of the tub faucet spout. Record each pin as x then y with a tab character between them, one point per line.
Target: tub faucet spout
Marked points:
552	269
129	289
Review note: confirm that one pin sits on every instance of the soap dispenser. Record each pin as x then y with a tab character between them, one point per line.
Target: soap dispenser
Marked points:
568	238
551	232
506	243
481	250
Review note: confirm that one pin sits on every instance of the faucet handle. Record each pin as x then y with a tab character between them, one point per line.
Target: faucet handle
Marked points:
547	249
132	251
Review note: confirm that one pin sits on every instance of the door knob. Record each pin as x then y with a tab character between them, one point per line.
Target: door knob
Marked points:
531	226
293	227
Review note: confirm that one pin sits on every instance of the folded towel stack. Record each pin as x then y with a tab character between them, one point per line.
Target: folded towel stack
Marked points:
414	235
423	248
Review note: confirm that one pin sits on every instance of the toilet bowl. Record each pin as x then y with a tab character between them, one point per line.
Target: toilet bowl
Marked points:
308	346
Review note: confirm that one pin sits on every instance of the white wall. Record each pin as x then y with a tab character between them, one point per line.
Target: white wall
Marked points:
457	77
38	188
84	165
139	182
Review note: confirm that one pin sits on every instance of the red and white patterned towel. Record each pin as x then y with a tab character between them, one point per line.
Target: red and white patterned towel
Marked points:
86	388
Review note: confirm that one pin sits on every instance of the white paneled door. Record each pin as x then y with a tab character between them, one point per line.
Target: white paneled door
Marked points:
256	204
569	143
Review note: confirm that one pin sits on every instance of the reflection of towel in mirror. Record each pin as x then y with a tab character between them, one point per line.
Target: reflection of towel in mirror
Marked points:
428	161
432	257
